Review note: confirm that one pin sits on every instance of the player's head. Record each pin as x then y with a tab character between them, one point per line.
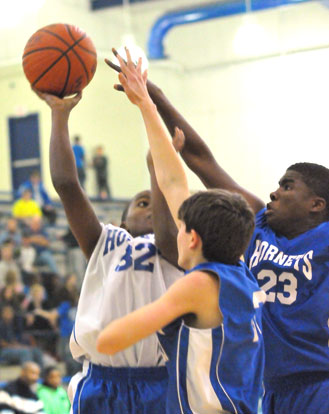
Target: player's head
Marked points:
137	216
301	201
222	220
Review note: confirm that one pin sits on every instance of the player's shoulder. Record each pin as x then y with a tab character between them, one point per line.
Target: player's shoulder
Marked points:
195	283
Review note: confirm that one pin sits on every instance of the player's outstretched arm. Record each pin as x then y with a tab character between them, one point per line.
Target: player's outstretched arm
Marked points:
196	153
184	297
165	230
79	212
169	170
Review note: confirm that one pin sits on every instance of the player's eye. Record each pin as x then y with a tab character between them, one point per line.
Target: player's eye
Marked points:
143	203
286	187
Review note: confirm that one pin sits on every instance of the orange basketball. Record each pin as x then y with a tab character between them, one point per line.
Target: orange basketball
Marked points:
59	59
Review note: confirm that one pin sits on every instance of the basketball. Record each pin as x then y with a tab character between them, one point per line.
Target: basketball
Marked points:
59	59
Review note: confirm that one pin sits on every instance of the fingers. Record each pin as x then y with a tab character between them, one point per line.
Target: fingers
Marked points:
118	87
144	76
129	60
112	65
122	62
76	98
178	139
139	66
40	94
123	80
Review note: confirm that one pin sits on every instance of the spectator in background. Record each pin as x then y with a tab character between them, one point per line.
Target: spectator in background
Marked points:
76	262
52	394
12	293
40	241
79	155
27	258
11	234
18	396
26	208
40	195
15	348
100	164
43	330
65	314
7	262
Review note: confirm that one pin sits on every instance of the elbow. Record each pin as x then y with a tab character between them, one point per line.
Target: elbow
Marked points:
64	183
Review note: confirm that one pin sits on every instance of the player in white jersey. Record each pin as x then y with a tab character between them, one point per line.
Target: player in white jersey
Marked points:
125	270
218	303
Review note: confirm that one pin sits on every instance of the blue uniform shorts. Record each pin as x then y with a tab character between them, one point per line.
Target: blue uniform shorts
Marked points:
302	394
108	390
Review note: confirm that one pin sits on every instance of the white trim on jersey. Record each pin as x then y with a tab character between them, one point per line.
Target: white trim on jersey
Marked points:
200	391
217	368
177	370
85	381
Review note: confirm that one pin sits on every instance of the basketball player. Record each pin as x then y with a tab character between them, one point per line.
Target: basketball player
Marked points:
289	255
125	271
215	348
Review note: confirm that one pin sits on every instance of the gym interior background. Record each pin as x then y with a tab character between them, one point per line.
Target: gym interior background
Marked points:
251	78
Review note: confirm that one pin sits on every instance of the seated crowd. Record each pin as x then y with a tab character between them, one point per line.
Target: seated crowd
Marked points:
37	303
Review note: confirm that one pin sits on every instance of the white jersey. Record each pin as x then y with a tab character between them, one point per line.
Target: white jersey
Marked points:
123	274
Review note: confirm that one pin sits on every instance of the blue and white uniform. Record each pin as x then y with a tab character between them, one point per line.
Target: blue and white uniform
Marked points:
295	277
220	370
123	274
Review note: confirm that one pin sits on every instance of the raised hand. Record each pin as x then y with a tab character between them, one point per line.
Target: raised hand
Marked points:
117	69
178	140
132	79
59	104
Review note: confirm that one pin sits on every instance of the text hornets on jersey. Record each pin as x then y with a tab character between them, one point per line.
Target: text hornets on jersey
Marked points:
265	251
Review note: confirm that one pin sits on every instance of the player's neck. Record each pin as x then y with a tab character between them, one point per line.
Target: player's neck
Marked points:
195	260
300	228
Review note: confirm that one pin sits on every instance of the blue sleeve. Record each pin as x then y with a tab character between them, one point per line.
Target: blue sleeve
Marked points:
26	185
260	221
260	218
63	308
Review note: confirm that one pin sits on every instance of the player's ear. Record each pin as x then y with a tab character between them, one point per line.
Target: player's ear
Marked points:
195	239
318	205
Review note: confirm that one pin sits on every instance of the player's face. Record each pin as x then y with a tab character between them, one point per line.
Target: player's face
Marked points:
139	216
290	204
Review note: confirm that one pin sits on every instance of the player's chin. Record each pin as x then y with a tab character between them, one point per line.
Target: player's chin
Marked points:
275	223
146	228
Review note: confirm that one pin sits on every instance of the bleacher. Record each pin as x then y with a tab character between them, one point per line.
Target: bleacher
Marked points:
106	210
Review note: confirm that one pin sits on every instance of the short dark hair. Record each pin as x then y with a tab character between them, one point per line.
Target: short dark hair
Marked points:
223	220
316	177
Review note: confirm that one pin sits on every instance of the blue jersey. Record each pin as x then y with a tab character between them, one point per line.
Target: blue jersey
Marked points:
295	276
218	370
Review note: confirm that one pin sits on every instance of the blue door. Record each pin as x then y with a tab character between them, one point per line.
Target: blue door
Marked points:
24	148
